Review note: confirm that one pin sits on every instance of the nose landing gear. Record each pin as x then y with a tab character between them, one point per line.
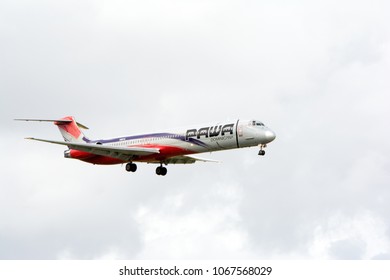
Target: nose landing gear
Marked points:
262	152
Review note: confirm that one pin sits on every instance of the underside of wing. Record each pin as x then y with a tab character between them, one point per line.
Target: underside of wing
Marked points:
123	153
187	160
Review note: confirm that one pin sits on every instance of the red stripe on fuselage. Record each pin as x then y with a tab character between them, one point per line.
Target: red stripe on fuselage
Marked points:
165	152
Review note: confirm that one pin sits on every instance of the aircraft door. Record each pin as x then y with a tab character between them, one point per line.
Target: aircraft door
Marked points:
240	130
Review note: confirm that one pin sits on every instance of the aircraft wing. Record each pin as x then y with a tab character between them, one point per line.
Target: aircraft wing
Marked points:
187	160
123	153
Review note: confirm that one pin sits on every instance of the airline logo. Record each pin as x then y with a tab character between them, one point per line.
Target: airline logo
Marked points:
212	131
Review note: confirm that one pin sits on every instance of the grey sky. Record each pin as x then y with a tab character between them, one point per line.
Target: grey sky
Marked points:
316	72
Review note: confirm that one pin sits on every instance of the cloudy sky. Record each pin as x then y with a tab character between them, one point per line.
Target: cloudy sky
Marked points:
316	72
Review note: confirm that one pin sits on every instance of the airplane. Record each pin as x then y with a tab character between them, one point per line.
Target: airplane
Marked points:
177	146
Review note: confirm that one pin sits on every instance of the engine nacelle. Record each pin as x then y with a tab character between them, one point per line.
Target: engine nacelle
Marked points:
78	154
67	154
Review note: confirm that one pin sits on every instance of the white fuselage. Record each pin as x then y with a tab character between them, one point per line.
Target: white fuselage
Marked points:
200	138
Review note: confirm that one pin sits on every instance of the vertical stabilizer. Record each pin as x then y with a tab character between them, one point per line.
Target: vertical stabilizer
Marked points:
70	130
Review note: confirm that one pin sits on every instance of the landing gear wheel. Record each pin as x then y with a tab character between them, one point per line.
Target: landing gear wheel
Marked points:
131	167
162	171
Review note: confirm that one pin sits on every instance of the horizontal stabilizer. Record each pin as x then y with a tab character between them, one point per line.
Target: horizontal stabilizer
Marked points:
57	122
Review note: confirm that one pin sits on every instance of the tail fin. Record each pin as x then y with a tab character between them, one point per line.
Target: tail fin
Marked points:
69	128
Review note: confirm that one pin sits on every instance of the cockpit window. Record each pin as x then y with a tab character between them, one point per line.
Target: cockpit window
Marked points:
257	123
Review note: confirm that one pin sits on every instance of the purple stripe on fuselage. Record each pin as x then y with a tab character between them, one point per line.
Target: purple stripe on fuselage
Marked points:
196	142
145	136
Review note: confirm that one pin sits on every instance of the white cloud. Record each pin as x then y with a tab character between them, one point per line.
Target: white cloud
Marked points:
362	236
172	229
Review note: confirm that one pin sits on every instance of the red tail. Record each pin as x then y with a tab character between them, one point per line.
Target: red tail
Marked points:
70	130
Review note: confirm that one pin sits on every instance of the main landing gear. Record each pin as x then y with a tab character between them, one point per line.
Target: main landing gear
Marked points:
131	167
262	152
161	171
